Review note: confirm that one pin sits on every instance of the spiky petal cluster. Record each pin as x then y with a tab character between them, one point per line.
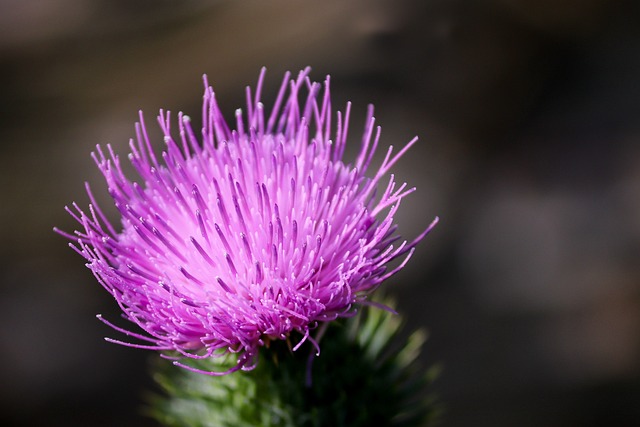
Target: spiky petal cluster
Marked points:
250	235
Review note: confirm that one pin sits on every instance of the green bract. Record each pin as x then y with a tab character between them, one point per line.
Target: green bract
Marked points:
367	374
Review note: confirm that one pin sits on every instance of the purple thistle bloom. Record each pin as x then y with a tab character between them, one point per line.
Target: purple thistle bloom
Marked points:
253	234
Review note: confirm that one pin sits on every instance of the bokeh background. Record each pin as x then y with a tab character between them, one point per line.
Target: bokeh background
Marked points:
527	112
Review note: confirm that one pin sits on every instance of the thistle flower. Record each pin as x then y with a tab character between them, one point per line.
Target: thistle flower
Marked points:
250	235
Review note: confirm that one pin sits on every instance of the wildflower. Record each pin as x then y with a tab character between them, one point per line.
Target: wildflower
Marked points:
248	236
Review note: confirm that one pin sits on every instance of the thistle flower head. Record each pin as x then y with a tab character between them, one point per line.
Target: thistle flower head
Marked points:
249	235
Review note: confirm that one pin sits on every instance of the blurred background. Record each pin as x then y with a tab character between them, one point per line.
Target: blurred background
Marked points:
527	112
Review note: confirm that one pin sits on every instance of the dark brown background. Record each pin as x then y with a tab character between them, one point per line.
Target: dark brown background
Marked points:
528	116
